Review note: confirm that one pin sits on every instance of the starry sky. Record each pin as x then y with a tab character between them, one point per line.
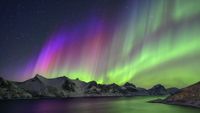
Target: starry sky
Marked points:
145	42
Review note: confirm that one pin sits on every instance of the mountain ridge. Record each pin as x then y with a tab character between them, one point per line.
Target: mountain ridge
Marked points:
188	96
64	87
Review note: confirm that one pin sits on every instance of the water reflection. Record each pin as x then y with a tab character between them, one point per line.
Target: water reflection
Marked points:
92	105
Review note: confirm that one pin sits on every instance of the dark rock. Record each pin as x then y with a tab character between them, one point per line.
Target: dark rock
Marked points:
9	90
91	88
91	84
68	85
142	91
110	88
77	78
173	90
158	90
156	101
189	96
128	87
103	88
127	84
4	83
114	88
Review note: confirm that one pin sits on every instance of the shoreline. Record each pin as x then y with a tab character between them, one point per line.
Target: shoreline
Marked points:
84	97
162	101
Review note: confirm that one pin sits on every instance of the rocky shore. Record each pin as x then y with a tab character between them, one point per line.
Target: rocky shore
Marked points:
189	96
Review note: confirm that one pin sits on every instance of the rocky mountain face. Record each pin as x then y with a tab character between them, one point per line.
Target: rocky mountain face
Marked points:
189	96
158	90
9	90
62	87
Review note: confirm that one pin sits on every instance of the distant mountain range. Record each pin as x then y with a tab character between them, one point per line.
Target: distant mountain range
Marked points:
189	96
63	87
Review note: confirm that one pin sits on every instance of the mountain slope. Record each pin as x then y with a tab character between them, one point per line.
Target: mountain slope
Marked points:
8	90
62	87
189	96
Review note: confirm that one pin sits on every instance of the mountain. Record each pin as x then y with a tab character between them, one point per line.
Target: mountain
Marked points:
62	87
40	86
189	96
8	90
158	90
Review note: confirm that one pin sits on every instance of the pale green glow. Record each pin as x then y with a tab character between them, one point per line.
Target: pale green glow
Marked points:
158	34
186	8
170	45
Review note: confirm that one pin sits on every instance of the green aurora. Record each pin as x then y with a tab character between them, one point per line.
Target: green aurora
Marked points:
157	41
168	34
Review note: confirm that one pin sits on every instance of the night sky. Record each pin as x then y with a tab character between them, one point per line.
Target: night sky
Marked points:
26	25
141	41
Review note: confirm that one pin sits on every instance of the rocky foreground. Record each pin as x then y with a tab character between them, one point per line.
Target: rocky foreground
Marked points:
63	87
189	96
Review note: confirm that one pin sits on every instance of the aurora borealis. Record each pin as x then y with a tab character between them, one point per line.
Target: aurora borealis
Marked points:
150	42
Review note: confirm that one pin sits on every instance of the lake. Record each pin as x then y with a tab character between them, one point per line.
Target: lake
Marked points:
91	105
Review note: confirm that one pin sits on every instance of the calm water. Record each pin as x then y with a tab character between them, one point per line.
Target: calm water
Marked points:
92	105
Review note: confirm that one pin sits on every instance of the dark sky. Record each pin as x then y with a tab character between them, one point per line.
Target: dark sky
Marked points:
103	40
26	24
